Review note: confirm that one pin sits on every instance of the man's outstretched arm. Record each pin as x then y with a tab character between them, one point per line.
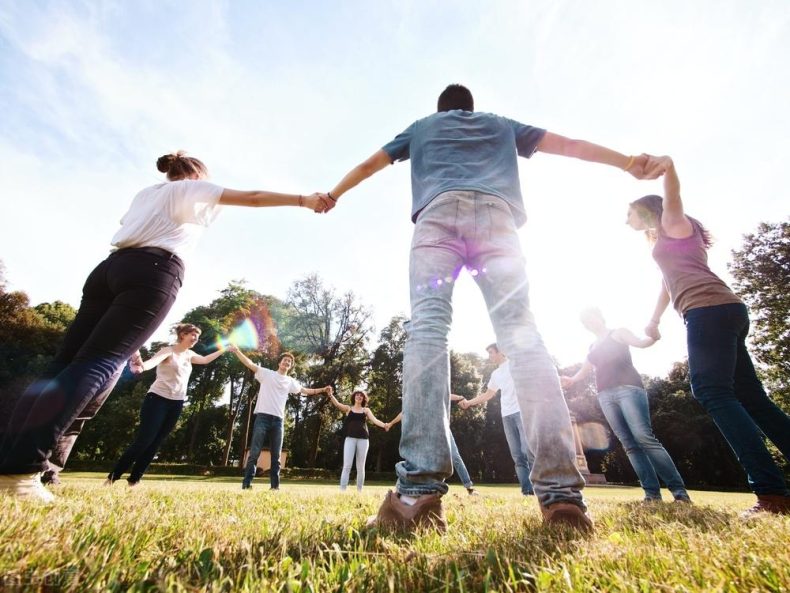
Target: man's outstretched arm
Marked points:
594	153
373	164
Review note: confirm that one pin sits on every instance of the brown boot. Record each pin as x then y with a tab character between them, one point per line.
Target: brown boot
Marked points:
769	503
567	513
397	515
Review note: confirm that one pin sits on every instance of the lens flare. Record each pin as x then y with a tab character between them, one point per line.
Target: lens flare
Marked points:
594	435
244	336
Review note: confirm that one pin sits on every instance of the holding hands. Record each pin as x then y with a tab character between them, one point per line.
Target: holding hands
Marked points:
136	363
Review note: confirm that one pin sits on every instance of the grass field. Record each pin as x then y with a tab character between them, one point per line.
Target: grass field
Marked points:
205	534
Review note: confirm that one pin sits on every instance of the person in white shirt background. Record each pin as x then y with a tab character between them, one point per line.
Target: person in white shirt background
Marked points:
164	401
269	412
501	380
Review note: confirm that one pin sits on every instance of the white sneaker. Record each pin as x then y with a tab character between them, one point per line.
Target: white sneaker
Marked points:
26	485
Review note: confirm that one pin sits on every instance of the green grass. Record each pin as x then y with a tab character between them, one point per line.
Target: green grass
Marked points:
205	534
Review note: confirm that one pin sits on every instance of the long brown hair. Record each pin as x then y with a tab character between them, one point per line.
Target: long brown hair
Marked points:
650	208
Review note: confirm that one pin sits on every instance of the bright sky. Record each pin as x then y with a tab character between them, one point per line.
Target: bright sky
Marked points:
288	96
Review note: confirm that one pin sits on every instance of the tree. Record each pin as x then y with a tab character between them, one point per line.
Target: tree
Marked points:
333	332
236	304
761	270
385	384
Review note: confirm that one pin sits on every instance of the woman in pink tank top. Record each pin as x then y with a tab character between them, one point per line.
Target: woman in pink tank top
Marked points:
722	375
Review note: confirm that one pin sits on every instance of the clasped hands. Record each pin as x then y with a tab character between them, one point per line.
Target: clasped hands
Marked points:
319	202
647	166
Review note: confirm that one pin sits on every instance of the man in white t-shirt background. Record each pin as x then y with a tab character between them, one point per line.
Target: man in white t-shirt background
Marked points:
269	412
502	381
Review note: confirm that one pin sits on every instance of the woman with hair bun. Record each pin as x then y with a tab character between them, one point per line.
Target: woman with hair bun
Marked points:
125	299
165	399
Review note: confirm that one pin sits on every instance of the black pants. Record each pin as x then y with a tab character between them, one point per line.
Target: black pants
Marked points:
158	418
124	300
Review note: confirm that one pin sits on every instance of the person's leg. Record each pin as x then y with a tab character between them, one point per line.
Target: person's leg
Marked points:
124	300
635	410
259	430
275	446
171	411
516	442
436	259
611	401
459	465
769	417
152	416
362	455
60	454
349	449
499	266
714	335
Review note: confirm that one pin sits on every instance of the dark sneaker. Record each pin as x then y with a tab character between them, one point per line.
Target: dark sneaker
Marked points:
567	513
683	499
245	486
769	503
397	515
472	492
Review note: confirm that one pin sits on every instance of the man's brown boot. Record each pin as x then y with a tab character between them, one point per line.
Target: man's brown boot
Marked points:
567	513
397	515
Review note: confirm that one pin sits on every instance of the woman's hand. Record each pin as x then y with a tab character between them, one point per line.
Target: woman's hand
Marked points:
651	331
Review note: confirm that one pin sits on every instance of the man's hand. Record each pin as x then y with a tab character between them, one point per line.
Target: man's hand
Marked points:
645	166
328	390
327	202
232	348
464	404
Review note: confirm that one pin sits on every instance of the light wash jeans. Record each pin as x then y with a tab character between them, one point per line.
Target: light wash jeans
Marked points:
723	380
475	230
271	427
627	410
354	448
519	450
459	465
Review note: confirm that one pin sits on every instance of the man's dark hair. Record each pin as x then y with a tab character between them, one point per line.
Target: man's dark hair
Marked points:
493	347
455	96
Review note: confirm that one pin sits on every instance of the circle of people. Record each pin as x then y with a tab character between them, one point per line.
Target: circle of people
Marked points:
466	209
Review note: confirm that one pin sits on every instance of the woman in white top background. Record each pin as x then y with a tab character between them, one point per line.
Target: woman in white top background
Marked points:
164	401
125	299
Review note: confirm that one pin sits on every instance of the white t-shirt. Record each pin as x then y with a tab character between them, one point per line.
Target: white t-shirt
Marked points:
274	391
502	381
172	376
170	216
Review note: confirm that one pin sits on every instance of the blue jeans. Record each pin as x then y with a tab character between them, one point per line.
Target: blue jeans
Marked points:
271	427
475	230
723	380
627	410
519	450
354	449
158	418
124	300
459	465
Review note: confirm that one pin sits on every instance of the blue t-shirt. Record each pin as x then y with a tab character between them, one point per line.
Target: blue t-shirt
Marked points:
465	150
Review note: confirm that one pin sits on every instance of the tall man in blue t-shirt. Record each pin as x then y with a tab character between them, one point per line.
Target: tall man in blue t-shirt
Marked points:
467	205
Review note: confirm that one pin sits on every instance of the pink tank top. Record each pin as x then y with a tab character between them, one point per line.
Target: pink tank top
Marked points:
689	280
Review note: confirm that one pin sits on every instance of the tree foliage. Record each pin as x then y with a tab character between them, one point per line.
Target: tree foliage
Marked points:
761	269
